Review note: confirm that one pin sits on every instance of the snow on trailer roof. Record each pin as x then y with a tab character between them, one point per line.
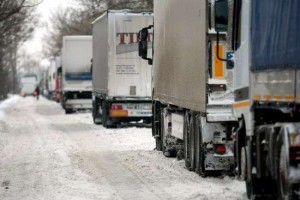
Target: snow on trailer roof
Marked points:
125	11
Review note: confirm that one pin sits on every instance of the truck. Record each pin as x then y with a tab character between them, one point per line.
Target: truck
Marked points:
265	43
54	79
121	81
76	79
28	83
192	89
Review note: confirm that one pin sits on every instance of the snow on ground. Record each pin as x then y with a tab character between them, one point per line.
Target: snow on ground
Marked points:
7	103
45	154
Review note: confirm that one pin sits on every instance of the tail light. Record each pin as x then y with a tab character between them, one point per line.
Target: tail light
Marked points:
116	107
117	111
220	149
295	153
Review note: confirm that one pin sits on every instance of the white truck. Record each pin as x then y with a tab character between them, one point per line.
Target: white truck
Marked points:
264	37
121	80
76	83
193	90
28	83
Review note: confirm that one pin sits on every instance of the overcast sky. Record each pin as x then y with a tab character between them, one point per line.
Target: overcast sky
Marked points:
34	46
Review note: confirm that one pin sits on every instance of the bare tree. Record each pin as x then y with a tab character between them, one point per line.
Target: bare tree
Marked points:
77	21
16	26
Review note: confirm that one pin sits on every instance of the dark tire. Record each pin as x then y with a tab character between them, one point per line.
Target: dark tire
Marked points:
244	166
97	118
283	172
197	130
69	111
186	141
249	190
201	164
62	102
239	144
162	132
156	132
192	143
158	144
104	114
261	189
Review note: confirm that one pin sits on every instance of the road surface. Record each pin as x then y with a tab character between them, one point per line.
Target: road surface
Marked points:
45	154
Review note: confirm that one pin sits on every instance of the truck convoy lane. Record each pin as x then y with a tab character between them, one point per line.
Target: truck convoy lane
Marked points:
193	89
266	44
121	80
76	85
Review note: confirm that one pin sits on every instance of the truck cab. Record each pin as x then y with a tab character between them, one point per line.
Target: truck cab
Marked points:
262	35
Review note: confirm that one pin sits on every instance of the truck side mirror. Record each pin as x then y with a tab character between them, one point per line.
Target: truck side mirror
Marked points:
143	43
221	15
221	25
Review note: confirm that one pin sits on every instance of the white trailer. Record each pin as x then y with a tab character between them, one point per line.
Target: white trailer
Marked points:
266	46
76	83
121	80
28	83
193	90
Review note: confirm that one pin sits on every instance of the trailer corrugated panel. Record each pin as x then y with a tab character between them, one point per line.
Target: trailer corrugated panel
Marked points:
180	53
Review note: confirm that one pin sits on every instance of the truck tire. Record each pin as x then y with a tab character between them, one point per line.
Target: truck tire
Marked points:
106	122
197	131
199	148
97	118
168	146
186	141
244	166
192	143
158	138
104	114
162	132
158	144
202	171
63	101
69	111
263	186
249	189
283	172
239	144
156	132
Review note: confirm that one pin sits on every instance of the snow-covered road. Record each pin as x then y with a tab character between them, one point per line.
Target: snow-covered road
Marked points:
45	154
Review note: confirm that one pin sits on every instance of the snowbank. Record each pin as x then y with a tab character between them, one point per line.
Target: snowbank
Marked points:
7	103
